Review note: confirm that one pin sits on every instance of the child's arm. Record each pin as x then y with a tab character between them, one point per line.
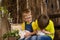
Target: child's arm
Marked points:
30	33
46	32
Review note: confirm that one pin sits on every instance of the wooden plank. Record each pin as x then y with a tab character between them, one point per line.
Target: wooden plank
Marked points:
54	16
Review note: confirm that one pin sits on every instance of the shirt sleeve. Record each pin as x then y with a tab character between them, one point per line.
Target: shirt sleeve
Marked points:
52	30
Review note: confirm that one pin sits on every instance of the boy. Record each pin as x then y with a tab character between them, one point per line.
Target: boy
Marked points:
46	28
28	25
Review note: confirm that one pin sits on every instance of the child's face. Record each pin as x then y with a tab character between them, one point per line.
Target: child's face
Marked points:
27	17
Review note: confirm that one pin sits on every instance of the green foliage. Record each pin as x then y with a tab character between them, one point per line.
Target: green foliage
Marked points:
4	9
14	33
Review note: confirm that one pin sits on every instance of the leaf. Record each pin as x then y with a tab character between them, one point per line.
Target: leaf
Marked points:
4	36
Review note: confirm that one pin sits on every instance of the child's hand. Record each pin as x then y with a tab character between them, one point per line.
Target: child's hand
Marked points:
47	32
27	34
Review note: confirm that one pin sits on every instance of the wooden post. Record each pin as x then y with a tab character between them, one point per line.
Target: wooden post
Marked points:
43	7
27	4
58	12
49	9
0	27
17	11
